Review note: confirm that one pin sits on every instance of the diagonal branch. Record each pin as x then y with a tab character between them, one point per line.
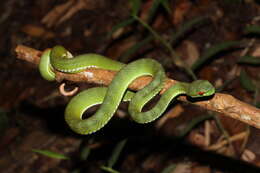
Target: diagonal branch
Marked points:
222	103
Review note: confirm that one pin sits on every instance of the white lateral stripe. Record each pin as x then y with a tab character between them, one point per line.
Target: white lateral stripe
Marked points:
76	69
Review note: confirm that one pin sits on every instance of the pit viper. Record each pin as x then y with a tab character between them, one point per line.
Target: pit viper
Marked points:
110	97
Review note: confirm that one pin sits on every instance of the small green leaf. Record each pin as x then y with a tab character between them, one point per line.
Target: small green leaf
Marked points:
252	29
134	48
246	82
251	60
51	154
169	169
116	152
108	169
209	54
186	28
136	4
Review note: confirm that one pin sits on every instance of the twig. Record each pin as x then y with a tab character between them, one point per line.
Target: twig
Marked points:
67	93
225	142
177	60
222	103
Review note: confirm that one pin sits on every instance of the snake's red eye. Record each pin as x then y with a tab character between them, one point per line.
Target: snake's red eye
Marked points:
200	93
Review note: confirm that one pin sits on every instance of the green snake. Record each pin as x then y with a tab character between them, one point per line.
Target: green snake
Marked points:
60	59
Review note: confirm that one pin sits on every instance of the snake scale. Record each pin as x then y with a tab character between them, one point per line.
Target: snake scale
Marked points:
110	97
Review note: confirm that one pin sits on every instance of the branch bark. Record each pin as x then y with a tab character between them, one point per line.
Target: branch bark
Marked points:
222	103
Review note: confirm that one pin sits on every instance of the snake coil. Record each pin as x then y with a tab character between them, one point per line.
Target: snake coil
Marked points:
60	59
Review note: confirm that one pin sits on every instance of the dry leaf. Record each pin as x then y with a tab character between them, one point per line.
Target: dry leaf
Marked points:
180	11
173	113
190	52
37	31
256	52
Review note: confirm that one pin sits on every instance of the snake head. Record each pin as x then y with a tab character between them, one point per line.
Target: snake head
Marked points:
60	52
200	88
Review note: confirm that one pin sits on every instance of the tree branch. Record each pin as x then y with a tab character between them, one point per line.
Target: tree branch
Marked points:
222	103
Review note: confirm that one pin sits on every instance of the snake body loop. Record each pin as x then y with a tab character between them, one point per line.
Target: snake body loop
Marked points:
109	98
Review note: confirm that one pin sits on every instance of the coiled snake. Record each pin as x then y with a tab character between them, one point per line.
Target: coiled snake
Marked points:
60	59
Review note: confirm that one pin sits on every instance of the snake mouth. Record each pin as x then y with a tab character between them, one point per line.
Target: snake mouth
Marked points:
200	94
196	96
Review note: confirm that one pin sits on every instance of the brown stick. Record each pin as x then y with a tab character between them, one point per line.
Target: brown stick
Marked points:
222	103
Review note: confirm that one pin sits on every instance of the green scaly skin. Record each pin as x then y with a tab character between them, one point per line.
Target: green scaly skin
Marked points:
110	97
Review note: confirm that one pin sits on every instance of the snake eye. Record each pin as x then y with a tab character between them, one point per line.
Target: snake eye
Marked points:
200	93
